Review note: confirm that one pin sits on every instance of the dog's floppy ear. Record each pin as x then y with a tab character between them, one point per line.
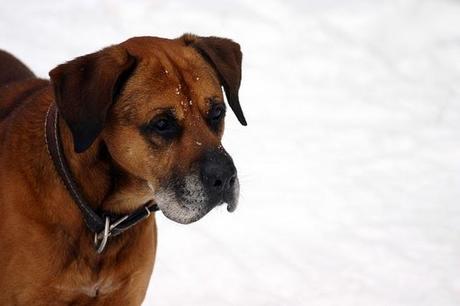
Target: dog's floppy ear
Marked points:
86	87
225	57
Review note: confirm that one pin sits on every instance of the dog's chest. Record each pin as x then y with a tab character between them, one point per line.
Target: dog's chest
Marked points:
93	289
89	278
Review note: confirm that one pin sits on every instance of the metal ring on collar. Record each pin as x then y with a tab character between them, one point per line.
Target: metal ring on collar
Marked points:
100	242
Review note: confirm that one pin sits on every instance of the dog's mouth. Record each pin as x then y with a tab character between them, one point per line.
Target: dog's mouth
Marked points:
186	201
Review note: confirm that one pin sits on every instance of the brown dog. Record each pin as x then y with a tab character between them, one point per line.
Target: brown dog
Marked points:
138	121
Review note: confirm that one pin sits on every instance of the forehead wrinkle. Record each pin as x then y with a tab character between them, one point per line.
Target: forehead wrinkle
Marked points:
133	93
156	72
183	89
171	76
185	67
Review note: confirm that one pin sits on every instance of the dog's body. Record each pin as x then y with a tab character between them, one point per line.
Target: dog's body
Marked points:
47	255
46	252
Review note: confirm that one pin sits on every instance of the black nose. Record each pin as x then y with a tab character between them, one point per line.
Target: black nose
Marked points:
218	173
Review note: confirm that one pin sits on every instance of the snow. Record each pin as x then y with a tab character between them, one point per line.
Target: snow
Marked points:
350	164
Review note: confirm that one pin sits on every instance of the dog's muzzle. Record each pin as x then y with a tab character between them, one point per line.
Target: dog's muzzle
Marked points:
218	174
212	182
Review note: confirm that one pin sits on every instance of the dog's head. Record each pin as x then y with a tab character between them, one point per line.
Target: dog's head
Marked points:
157	106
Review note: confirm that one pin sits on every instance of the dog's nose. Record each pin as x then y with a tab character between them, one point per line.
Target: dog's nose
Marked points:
218	172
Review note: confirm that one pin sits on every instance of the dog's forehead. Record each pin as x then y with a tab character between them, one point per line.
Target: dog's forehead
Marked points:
169	75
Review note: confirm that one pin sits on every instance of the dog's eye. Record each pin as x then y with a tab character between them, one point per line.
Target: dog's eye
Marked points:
216	113
161	125
166	127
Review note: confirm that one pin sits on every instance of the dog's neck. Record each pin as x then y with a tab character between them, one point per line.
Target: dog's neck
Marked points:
104	185
116	190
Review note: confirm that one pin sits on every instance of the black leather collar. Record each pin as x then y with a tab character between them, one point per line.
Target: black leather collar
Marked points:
105	224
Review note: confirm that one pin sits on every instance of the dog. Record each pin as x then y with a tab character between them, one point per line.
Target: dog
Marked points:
88	156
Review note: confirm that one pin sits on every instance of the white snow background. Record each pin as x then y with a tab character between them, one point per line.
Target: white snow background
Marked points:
350	164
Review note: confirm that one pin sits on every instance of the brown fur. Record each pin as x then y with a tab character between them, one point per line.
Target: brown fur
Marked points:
47	255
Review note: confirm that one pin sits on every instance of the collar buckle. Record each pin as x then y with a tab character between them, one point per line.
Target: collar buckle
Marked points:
100	239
